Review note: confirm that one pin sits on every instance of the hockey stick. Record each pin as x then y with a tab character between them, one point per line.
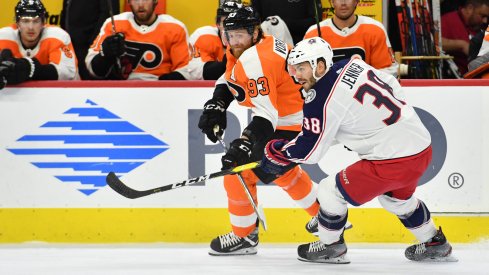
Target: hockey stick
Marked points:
258	209
114	31
316	11
120	187
111	14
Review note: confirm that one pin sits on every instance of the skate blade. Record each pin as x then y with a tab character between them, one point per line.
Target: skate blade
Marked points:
446	259
343	259
240	252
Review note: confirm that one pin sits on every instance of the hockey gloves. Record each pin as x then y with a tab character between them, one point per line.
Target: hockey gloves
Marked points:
113	46
274	161
16	70
214	114
239	153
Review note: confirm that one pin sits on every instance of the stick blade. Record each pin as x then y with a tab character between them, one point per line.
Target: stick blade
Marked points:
117	185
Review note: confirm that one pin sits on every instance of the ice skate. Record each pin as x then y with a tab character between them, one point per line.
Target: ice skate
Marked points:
230	244
312	226
319	252
435	250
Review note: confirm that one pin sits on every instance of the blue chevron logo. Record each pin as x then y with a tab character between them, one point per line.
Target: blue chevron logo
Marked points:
86	144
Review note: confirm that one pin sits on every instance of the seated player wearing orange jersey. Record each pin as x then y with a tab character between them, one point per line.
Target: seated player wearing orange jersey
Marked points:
258	80
139	45
30	50
208	60
354	35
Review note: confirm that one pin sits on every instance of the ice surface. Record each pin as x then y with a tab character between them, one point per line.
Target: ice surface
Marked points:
54	259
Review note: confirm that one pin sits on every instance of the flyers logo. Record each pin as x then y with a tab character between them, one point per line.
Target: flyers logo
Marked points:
67	52
238	92
149	56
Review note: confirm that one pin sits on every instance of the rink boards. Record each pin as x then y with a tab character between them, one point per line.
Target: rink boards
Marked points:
60	140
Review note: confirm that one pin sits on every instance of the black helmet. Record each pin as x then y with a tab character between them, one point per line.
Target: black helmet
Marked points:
244	18
30	8
228	6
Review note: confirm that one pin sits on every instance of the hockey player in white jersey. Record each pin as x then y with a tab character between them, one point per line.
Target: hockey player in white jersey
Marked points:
364	109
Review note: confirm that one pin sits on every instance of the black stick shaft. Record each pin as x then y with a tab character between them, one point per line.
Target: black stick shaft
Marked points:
120	187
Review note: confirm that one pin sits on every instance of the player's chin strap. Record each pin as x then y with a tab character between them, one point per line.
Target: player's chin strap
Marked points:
258	209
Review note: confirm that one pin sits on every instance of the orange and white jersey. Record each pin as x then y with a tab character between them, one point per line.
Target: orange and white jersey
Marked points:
367	39
259	80
154	50
485	44
206	46
54	48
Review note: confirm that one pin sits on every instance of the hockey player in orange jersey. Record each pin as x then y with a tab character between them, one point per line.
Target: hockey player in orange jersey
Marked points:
30	50
140	45
354	35
208	61
257	78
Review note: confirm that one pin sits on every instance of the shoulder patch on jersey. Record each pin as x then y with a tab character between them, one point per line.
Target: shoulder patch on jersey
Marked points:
279	47
310	96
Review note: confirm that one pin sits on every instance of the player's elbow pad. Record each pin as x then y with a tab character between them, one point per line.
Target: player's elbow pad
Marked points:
260	130
44	72
101	66
213	70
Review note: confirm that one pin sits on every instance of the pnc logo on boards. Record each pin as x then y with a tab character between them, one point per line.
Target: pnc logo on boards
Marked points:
84	145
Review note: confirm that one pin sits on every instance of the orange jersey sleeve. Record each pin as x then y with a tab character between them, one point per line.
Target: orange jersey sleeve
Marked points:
260	81
154	50
207	44
367	39
54	48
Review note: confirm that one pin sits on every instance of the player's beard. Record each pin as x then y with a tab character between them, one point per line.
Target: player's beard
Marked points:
237	52
143	17
309	84
345	12
345	17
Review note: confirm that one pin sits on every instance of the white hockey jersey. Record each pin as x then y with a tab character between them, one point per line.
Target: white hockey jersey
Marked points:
361	108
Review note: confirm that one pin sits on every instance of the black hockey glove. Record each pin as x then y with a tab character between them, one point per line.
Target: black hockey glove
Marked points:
214	114
274	161
3	81
239	153
16	70
6	68
113	46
